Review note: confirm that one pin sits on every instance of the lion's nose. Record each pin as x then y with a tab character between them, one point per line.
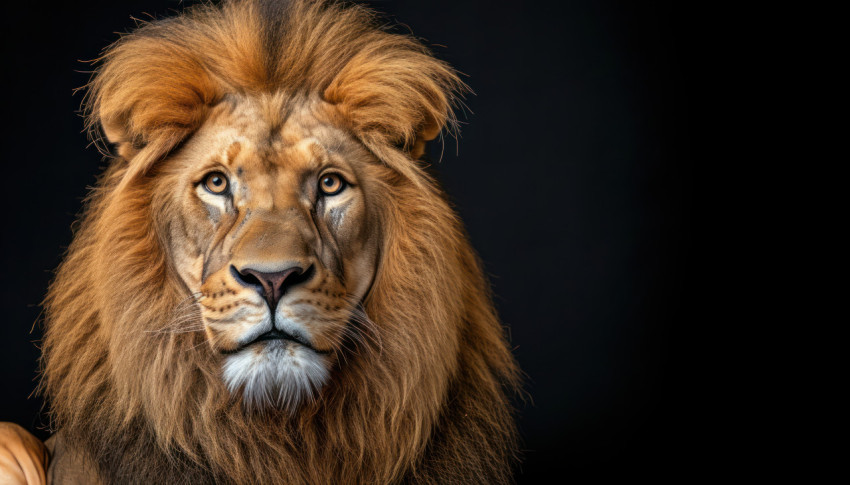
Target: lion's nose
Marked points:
272	286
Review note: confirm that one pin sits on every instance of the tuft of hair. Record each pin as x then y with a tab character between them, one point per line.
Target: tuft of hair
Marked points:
429	404
155	85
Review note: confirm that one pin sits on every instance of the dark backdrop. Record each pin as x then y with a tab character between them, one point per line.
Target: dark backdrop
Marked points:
572	174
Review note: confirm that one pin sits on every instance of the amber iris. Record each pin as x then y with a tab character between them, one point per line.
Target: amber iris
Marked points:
215	182
331	184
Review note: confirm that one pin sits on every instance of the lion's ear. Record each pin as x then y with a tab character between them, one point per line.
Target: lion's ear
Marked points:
426	133
117	134
148	95
394	91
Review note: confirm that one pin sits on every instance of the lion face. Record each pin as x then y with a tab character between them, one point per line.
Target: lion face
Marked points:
275	240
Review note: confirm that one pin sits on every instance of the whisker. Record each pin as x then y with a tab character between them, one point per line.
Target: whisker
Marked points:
185	311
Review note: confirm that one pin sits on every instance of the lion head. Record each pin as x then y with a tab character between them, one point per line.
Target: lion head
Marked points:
266	284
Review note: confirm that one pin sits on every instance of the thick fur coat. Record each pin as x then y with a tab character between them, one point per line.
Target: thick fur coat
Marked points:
423	395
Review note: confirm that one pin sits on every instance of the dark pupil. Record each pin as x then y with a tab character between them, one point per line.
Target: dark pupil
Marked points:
329	182
216	181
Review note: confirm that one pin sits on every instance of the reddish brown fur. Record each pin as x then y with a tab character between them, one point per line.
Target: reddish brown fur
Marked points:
430	405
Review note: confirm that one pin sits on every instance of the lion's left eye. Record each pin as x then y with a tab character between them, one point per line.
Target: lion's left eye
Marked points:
331	184
216	183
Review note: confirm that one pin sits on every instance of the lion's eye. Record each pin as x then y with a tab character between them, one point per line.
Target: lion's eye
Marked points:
215	183
331	184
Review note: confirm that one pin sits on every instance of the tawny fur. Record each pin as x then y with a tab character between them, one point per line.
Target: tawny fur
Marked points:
431	404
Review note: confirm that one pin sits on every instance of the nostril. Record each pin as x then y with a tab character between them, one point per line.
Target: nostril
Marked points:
246	279
300	276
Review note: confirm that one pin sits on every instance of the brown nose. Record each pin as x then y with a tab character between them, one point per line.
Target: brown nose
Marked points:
272	286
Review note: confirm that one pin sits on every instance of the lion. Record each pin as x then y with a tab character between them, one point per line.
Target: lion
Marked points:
266	285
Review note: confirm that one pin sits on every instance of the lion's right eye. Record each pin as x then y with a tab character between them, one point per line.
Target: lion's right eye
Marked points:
215	183
332	184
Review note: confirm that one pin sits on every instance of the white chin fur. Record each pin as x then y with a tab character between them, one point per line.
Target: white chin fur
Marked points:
275	374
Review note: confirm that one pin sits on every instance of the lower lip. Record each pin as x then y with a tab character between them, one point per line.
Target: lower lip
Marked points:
269	341
273	340
287	341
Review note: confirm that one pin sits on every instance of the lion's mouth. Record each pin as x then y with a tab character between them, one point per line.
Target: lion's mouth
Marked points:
276	335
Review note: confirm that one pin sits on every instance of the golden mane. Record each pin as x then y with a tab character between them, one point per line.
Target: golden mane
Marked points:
430	404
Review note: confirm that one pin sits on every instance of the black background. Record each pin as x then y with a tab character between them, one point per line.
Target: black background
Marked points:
573	174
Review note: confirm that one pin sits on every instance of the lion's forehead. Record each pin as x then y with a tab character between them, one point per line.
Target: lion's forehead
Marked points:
292	146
